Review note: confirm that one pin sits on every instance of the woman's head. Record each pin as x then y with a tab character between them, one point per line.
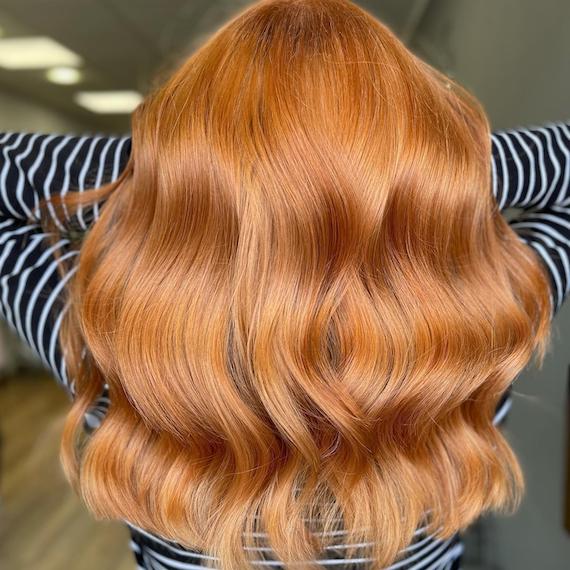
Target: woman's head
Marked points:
302	296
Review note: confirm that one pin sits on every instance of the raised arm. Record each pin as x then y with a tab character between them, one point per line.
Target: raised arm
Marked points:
40	165
33	166
531	171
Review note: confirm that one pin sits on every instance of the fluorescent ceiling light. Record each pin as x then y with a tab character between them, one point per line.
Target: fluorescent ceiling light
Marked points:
63	75
109	101
34	53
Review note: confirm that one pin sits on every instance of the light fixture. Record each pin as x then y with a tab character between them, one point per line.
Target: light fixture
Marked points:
63	75
108	101
35	53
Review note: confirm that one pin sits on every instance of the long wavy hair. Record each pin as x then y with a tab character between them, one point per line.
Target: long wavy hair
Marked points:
303	298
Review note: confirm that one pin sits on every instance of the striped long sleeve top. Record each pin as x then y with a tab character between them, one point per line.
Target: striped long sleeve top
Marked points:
530	171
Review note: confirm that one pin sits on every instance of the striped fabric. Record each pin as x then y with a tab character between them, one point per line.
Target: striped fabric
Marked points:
530	171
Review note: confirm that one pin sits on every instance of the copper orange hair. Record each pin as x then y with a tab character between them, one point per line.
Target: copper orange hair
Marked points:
303	297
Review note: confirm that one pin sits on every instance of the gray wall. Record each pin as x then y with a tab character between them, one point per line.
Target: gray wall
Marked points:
20	114
515	56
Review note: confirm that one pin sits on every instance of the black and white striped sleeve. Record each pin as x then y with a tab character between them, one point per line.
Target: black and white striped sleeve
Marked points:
531	171
33	166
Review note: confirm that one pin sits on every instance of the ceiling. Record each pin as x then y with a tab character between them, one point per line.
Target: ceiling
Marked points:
126	44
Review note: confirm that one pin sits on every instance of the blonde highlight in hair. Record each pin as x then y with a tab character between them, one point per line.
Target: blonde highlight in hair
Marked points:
303	297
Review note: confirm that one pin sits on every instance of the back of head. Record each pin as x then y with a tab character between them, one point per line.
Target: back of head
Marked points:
303	298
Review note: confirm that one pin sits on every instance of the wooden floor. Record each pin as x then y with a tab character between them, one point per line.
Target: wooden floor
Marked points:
43	525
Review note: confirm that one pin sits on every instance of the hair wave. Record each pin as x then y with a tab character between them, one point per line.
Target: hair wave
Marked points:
303	297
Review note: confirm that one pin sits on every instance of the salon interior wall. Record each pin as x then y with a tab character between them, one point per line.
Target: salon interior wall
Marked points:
515	56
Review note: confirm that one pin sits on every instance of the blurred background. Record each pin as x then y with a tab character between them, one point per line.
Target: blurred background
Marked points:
81	66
